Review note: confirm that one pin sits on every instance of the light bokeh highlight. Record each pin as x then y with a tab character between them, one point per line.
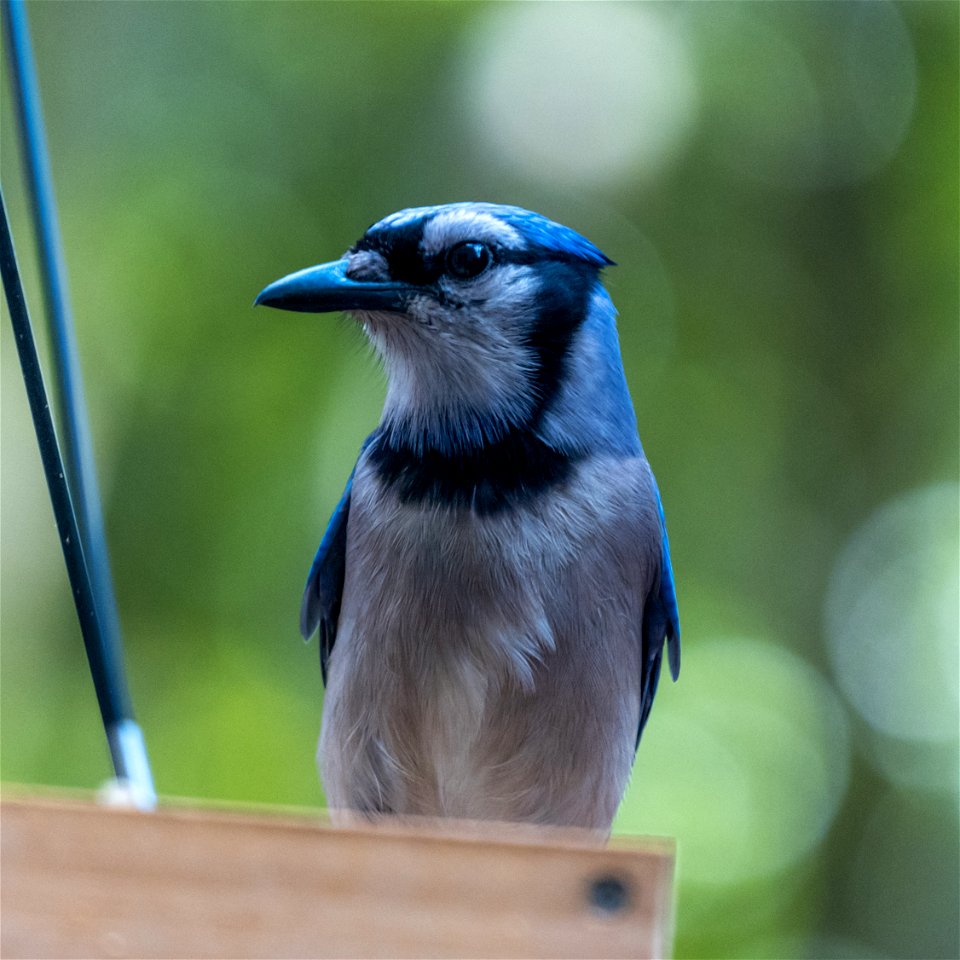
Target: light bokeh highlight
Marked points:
891	617
820	98
581	93
746	762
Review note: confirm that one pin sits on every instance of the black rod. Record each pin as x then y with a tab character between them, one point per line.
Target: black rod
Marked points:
127	747
107	679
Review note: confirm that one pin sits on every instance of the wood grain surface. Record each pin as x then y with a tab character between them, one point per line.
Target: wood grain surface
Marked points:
82	880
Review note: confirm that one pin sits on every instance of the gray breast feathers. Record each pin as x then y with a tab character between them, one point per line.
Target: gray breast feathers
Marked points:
471	649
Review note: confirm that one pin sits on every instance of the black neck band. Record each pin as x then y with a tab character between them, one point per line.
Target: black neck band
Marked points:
487	479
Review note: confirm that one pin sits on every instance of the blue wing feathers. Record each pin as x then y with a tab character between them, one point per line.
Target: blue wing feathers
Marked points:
321	597
661	624
667	597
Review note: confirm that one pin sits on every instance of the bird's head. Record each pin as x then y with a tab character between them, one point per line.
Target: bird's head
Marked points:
475	309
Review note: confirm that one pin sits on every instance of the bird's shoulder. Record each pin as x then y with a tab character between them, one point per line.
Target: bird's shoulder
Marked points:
633	530
323	592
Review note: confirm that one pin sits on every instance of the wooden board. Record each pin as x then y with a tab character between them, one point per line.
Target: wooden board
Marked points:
82	880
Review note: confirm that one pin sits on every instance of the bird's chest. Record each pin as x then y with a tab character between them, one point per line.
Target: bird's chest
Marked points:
446	579
444	618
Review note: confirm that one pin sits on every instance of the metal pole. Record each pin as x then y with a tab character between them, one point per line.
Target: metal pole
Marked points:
125	738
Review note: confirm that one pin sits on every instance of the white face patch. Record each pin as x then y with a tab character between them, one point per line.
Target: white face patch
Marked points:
456	225
459	372
453	385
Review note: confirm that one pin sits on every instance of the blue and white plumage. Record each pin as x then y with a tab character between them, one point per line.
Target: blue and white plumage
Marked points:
494	590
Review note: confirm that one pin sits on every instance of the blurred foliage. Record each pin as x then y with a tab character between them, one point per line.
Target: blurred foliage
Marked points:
778	183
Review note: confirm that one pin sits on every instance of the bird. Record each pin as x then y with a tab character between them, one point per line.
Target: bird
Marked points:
494	591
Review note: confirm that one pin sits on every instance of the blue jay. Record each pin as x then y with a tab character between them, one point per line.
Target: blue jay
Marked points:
494	591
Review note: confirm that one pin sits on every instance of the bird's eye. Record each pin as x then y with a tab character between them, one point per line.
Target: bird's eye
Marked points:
468	259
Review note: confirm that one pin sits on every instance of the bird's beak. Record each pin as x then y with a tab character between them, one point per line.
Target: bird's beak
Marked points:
327	288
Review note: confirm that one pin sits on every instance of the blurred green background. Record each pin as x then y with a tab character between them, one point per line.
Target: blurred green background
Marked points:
778	183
